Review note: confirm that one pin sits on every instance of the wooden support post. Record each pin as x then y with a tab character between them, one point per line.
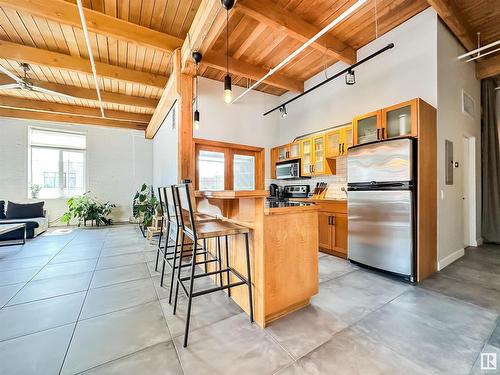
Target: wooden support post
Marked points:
186	145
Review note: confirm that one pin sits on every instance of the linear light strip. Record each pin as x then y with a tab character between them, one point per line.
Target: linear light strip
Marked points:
322	32
91	56
482	55
479	49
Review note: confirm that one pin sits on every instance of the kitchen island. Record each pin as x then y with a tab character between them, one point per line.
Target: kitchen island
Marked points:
283	250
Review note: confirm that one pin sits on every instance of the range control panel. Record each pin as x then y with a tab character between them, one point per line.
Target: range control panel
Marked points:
296	191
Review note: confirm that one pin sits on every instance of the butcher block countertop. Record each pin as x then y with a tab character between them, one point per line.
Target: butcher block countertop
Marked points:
231	194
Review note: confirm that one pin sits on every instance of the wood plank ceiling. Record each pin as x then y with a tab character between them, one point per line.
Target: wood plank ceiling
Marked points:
132	43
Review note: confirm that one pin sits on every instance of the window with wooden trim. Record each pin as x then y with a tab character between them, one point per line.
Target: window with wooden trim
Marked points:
227	166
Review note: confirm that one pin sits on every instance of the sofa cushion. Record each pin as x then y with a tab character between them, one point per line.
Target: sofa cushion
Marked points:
30	224
2	209
24	210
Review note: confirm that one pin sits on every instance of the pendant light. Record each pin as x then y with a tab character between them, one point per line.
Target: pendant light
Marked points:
197	56
228	93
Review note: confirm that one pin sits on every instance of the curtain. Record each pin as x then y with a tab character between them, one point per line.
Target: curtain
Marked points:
490	156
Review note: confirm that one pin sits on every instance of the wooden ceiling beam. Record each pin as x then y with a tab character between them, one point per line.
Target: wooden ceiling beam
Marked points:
67	13
452	17
170	95
208	23
44	106
90	94
296	27
241	68
56	117
37	56
488	67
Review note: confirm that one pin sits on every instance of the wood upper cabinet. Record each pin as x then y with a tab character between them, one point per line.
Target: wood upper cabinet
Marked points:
367	128
294	150
400	120
338	141
313	155
306	152
333	143
274	160
319	158
283	152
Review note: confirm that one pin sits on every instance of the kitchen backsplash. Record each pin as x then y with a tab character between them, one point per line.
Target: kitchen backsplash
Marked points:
335	182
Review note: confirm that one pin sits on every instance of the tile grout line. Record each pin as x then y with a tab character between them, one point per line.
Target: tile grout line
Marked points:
168	328
79	313
38	271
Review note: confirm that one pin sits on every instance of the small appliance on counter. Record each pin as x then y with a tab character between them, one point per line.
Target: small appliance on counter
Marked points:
274	191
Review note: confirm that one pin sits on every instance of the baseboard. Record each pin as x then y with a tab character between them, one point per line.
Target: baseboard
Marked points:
450	259
479	241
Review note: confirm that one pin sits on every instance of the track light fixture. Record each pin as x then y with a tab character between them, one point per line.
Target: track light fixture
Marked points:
228	92
197	56
283	111
350	77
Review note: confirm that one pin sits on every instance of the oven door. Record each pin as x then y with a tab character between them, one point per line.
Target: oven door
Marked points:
287	171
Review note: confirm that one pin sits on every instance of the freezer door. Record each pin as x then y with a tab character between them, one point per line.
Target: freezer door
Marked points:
381	162
380	229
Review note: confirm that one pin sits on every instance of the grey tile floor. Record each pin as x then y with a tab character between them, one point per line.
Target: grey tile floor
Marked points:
89	301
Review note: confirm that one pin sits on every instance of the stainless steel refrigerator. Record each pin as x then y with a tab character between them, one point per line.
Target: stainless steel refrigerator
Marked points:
381	206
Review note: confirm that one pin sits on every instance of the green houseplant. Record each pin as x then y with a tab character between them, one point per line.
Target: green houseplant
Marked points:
145	204
86	207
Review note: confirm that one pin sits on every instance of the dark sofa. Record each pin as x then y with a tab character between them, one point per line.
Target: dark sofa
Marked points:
32	214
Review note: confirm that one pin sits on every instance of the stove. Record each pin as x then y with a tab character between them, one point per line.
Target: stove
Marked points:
285	203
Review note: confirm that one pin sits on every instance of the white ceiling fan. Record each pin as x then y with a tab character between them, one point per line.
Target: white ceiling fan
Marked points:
25	84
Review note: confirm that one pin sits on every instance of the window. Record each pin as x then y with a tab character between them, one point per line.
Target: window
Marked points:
211	170
226	166
243	172
57	163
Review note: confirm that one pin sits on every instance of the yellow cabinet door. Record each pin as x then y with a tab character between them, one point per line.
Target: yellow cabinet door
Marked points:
333	143
283	152
400	120
306	151
367	128
347	139
319	155
325	235
294	150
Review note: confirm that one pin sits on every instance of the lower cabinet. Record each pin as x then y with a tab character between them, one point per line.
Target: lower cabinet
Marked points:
333	233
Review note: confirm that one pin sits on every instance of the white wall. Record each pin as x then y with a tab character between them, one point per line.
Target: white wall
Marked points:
118	162
453	76
241	122
165	151
404	72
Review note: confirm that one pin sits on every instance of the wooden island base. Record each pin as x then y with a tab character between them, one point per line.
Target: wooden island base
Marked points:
283	251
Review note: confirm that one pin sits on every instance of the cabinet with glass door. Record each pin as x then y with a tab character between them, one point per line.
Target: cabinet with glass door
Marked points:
338	141
400	120
367	127
307	155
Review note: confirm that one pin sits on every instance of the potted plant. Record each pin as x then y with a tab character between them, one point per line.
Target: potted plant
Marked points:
86	207
35	189
145	204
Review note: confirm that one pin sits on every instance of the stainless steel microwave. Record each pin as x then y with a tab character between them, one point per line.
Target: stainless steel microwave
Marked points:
288	170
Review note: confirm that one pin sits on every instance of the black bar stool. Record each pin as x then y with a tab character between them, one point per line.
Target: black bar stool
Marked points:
162	227
172	221
203	231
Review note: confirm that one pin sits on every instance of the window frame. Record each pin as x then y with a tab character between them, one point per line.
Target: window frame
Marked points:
60	149
229	150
